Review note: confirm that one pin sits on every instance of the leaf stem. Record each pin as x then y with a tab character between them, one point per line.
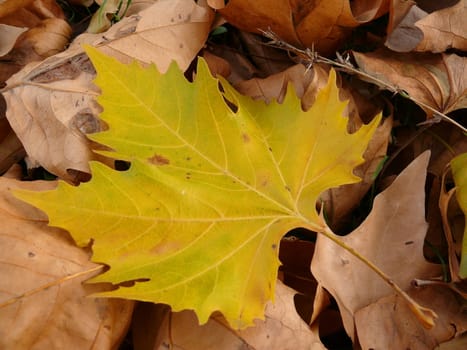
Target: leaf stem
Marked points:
425	315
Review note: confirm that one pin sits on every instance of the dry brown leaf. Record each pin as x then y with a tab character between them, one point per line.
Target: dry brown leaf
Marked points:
306	83
35	30
282	329
324	24
439	81
251	57
444	29
8	7
275	86
47	38
51	104
339	202
28	13
51	107
168	30
8	36
421	31
406	36
11	149
390	324
391	237
36	257
217	65
397	11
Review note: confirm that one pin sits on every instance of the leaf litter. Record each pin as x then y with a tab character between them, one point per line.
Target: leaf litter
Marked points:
239	56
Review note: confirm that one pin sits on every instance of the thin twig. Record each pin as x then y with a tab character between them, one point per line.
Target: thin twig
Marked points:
310	56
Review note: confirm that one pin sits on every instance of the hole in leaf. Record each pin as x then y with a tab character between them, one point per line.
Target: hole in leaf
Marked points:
133	282
122	165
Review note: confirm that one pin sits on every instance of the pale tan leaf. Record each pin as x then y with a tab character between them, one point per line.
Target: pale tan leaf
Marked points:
50	107
391	237
8	36
51	104
43	303
166	31
282	329
390	324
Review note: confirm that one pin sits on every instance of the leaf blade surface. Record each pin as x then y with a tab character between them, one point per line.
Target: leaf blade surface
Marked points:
197	219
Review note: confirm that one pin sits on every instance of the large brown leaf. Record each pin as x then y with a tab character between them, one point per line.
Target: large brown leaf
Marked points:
439	81
43	303
391	237
324	23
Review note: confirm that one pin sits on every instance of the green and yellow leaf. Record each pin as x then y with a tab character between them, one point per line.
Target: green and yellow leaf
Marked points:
213	186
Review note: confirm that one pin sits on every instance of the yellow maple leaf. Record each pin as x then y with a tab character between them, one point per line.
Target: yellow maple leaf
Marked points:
213	186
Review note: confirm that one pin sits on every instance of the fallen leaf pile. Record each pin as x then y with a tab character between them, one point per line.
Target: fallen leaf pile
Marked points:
233	175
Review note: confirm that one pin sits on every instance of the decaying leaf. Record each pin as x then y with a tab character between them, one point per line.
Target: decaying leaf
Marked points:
439	81
282	329
459	172
51	104
389	323
391	237
30	31
436	32
444	29
197	219
322	24
166	31
43	303
51	107
9	34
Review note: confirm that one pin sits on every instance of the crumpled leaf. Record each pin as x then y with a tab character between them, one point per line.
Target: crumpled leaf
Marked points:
436	32
282	329
392	237
323	24
439	81
40	32
459	173
51	105
29	13
8	35
197	219
43	303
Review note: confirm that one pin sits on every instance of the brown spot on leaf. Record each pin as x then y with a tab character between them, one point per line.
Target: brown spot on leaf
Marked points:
157	159
245	138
